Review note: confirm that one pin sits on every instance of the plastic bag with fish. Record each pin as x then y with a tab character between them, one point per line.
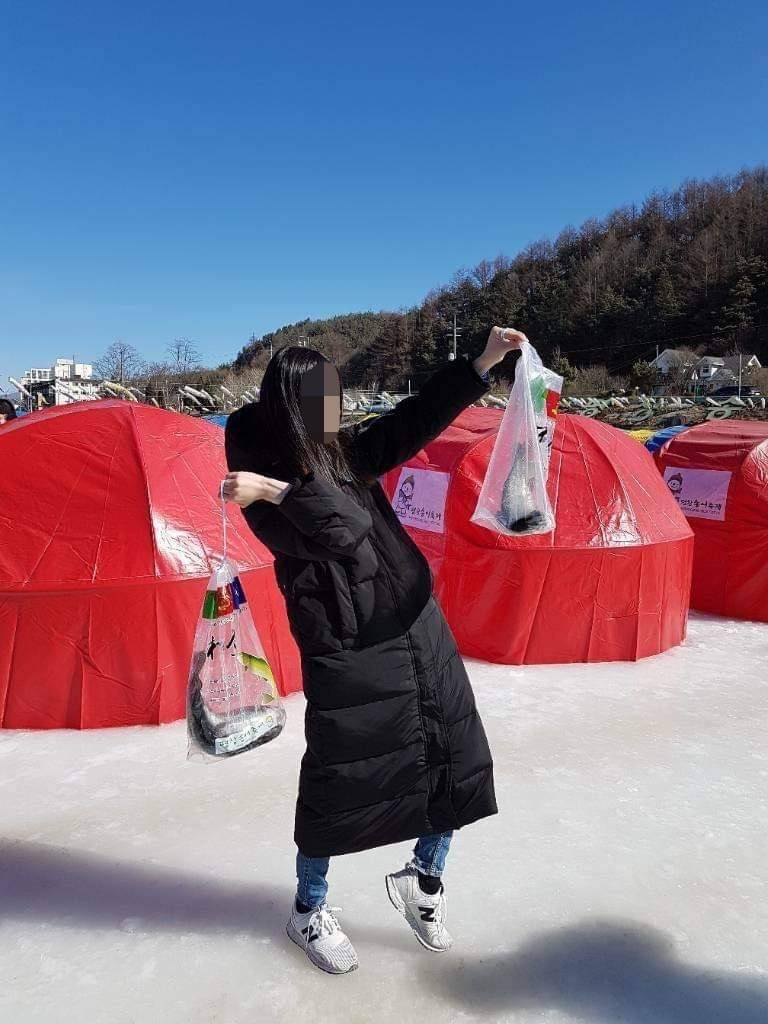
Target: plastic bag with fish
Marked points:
513	499
232	700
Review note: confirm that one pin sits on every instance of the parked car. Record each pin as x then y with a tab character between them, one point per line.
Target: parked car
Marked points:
732	391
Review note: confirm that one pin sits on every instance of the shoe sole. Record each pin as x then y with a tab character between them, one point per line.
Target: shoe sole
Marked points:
296	939
397	902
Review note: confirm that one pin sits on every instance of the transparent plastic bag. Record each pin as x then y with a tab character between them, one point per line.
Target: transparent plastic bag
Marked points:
232	699
233	704
513	499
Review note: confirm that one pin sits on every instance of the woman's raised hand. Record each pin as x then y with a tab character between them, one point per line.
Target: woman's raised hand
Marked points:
500	341
245	488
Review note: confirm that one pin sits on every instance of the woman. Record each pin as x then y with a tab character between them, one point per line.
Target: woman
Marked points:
395	746
7	411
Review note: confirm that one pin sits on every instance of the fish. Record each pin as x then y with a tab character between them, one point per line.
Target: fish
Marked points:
259	667
208	728
517	512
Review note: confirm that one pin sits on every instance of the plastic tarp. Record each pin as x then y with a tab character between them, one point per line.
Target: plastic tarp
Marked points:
612	581
639	435
110	529
718	472
657	441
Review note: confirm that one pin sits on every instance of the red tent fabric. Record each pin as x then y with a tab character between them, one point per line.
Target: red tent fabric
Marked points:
611	583
110	523
718	472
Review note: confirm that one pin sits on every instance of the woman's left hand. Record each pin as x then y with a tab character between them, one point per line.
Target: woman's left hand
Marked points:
500	341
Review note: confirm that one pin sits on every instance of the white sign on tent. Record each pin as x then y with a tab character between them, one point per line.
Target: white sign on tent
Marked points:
419	498
700	493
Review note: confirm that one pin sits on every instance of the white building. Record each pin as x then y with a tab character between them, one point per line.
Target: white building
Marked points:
68	369
671	360
65	382
37	376
719	372
706	372
707	368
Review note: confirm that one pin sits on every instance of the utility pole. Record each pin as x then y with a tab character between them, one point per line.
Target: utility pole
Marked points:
740	362
456	333
254	339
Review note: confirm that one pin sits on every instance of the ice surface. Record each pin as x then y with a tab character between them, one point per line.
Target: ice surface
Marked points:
624	879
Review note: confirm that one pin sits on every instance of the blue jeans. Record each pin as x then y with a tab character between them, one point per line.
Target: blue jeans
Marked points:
429	855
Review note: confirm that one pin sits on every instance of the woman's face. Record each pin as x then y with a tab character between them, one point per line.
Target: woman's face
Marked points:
320	402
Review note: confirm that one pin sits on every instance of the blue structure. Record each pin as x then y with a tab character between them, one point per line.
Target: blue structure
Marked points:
220	421
653	444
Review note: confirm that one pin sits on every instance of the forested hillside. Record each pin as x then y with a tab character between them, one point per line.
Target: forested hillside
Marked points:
689	267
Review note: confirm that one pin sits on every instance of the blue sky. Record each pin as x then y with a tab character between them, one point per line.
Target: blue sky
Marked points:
210	170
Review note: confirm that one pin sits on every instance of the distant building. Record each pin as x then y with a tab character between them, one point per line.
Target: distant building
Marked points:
718	373
703	373
744	362
670	361
64	382
706	369
37	376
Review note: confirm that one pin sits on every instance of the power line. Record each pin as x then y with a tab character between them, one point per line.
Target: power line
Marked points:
608	347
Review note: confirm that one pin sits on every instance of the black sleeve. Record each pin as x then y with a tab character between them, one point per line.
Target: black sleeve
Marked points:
314	521
378	445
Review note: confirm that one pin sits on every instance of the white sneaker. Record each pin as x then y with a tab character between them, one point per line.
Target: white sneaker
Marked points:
425	914
319	934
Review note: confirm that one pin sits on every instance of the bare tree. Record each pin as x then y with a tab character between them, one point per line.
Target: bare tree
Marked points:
679	377
184	354
593	381
234	385
156	370
483	274
121	362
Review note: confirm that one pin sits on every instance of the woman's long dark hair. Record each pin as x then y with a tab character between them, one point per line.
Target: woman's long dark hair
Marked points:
280	398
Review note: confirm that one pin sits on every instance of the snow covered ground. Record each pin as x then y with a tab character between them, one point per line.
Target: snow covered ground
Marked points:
625	878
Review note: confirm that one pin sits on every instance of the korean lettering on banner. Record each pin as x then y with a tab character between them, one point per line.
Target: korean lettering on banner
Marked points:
419	498
700	493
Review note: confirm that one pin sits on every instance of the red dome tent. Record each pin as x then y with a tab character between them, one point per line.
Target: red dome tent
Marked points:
718	472
109	522
611	583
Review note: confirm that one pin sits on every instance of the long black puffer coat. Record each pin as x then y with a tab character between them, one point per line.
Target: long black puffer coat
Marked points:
395	746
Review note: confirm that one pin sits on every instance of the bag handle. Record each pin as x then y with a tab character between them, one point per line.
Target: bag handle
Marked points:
223	520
